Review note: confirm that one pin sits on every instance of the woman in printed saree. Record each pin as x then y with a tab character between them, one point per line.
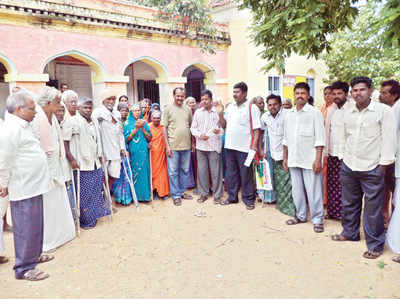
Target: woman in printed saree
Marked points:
137	135
120	188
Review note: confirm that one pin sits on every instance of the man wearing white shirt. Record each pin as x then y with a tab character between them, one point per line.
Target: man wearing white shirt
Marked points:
273	120
242	129
303	142
334	129
206	129
25	177
389	95
369	145
111	133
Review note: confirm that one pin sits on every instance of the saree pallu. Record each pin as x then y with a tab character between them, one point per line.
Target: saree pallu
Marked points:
121	189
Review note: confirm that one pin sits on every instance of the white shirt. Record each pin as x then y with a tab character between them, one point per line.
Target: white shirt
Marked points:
369	136
275	125
23	163
396	110
303	132
111	133
237	132
204	122
336	131
84	143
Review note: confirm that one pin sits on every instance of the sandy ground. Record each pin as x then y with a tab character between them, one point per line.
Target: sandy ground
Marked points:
165	251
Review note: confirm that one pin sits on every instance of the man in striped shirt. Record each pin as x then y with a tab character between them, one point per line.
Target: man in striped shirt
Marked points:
208	133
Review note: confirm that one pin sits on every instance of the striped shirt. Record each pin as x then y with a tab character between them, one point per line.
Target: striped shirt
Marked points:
204	122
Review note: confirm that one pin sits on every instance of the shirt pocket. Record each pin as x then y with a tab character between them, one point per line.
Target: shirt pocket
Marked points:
370	129
306	129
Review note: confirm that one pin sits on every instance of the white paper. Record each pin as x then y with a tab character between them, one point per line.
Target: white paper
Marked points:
264	182
250	157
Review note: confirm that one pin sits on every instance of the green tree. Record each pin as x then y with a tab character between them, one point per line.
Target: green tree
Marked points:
361	51
284	27
190	18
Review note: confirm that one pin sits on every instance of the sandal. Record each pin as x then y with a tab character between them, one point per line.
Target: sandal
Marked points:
250	207
177	201
294	221
34	275
372	254
44	258
341	238
319	228
227	202
396	259
3	259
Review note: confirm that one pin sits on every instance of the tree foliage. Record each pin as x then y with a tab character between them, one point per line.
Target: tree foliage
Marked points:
361	51
192	18
306	27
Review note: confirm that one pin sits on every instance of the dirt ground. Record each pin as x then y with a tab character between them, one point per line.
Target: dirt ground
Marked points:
164	251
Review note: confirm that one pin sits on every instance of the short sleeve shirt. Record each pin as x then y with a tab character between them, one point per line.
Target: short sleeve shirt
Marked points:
238	130
177	120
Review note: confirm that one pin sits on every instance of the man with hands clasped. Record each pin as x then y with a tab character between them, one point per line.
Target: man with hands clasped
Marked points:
303	142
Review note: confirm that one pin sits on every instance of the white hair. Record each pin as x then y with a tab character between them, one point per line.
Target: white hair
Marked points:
68	95
156	113
47	95
16	100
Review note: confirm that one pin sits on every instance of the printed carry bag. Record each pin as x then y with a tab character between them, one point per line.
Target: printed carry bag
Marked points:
263	176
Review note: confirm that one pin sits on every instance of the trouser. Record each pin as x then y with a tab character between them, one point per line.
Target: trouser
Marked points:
3	210
237	173
27	219
389	181
209	163
305	179
355	184
178	170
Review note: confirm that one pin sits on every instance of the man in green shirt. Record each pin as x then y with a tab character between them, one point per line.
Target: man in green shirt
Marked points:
176	121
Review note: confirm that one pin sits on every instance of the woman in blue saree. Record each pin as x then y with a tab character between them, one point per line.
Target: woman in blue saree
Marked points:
137	135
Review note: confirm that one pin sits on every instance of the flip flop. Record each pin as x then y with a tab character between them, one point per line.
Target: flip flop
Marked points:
369	254
396	259
294	221
34	275
319	228
44	258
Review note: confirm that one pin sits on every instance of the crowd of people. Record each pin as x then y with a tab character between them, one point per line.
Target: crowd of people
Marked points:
66	161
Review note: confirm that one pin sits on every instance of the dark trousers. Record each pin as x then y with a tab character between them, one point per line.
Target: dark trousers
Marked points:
389	180
27	219
237	173
355	184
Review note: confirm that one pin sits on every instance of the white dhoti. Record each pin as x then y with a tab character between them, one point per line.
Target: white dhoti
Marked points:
114	168
58	223
3	210
393	232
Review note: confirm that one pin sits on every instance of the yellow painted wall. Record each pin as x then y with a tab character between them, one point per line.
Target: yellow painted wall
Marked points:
245	65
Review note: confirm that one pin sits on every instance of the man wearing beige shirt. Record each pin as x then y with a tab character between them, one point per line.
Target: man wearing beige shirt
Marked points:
368	146
176	120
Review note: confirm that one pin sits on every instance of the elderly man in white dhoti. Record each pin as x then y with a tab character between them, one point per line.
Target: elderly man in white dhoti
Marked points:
59	225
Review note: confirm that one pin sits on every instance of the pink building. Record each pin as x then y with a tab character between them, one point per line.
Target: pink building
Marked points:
91	44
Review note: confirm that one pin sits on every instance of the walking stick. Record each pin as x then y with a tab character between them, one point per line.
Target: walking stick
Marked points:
77	224
106	186
77	189
130	181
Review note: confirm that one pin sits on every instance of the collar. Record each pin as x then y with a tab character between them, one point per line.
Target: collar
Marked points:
243	104
307	107
16	119
370	107
211	110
